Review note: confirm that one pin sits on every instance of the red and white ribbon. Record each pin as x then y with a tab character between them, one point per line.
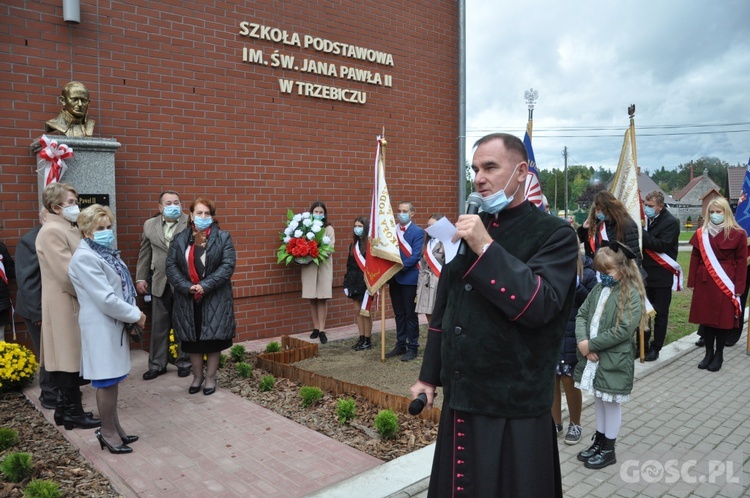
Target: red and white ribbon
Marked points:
717	273
51	159
602	236
670	265
432	261
403	244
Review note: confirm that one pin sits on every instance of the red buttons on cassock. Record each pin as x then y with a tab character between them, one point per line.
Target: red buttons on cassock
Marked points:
502	289
492	281
512	298
459	475
460	462
459	488
461	434
460	448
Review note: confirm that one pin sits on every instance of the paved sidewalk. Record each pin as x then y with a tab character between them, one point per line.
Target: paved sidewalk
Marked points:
220	445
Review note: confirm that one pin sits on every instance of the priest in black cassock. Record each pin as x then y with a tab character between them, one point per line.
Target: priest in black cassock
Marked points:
495	336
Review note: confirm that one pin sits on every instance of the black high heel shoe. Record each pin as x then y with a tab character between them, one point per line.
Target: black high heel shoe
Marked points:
117	450
125	439
208	391
195	389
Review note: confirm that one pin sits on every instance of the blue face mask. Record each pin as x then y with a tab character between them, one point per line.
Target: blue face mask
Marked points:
608	280
498	201
649	211
404	218
717	218
203	223
358	231
319	217
172	212
601	216
104	237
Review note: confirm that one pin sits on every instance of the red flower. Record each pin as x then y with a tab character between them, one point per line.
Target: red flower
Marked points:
314	250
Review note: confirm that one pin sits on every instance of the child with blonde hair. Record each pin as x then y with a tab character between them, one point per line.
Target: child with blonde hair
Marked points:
605	324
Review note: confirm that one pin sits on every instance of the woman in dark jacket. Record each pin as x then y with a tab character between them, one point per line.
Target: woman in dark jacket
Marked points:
585	281
609	221
354	282
199	267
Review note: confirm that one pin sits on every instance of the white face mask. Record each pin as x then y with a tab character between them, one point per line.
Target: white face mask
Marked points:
71	213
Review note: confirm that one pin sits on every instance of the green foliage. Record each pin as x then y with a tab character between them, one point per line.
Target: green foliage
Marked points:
346	409
222	360
237	352
244	369
8	438
310	395
267	383
38	488
273	347
386	423
16	467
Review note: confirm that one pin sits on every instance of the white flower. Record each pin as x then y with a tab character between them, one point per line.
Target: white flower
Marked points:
310	236
298	234
326	239
289	230
297	218
316	229
293	225
287	239
317	223
306	215
307	222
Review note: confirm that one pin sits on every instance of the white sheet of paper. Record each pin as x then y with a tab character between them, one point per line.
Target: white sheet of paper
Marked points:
443	230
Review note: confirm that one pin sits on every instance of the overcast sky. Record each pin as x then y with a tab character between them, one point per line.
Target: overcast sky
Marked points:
681	62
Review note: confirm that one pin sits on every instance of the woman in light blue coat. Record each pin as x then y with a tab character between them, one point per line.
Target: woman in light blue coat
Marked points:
106	296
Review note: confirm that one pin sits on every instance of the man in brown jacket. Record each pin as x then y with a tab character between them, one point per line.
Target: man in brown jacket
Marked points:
158	232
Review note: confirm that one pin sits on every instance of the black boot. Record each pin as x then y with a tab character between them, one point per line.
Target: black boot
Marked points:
73	414
359	342
366	344
584	455
717	361
709	338
604	458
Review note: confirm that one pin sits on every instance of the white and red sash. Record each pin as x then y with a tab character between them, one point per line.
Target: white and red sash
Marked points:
670	265
602	233
402	243
714	268
368	299
432	261
2	270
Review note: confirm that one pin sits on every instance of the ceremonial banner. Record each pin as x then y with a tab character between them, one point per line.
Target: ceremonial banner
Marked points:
533	188
383	256
743	207
625	185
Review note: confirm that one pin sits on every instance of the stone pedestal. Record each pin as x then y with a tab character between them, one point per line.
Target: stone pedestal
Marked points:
91	170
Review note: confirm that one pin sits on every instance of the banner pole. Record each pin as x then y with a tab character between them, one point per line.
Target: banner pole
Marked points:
382	327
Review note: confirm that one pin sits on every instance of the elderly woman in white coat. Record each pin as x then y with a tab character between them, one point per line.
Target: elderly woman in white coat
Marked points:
106	296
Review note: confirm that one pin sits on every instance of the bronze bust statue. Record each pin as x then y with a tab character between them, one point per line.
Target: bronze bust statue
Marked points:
72	120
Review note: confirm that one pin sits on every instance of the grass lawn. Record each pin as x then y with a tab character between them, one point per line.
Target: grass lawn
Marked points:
680	309
685	235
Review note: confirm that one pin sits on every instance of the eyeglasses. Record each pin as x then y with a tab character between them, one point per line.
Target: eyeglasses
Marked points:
72	202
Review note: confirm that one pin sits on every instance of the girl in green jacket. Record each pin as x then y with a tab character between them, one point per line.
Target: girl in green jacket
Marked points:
604	331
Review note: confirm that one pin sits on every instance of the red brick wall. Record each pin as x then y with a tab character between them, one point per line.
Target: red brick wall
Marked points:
168	82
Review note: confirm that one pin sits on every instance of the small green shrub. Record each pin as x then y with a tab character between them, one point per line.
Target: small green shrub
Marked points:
346	409
267	383
244	369
38	488
222	360
8	438
310	395
273	347
386	423
237	352
16	467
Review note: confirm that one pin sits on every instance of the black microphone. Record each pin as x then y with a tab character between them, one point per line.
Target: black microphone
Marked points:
474	203
417	405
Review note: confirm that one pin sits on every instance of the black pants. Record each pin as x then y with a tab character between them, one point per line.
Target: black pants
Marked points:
45	383
403	300
661	299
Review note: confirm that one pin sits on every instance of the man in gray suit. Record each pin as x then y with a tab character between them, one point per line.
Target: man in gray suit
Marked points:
29	304
158	232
